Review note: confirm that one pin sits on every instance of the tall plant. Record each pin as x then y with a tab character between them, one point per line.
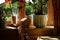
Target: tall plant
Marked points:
40	6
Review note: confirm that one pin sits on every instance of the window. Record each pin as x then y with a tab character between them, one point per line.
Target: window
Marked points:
22	13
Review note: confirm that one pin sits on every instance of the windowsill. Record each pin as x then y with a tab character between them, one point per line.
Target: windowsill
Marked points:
47	27
10	27
50	27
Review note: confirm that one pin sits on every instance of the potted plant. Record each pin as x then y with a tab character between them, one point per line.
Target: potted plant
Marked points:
40	17
29	11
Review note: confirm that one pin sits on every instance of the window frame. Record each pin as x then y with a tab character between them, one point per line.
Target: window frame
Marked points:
50	13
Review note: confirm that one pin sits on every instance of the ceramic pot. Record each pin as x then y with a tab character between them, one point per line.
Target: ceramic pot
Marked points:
40	21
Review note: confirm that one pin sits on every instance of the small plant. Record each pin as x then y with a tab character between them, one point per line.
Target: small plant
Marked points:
29	9
40	6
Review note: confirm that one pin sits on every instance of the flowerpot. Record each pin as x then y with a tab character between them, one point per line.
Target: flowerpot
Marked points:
40	21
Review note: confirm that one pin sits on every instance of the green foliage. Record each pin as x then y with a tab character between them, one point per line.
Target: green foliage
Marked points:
8	9
29	9
2	17
12	1
1	9
40	6
34	0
